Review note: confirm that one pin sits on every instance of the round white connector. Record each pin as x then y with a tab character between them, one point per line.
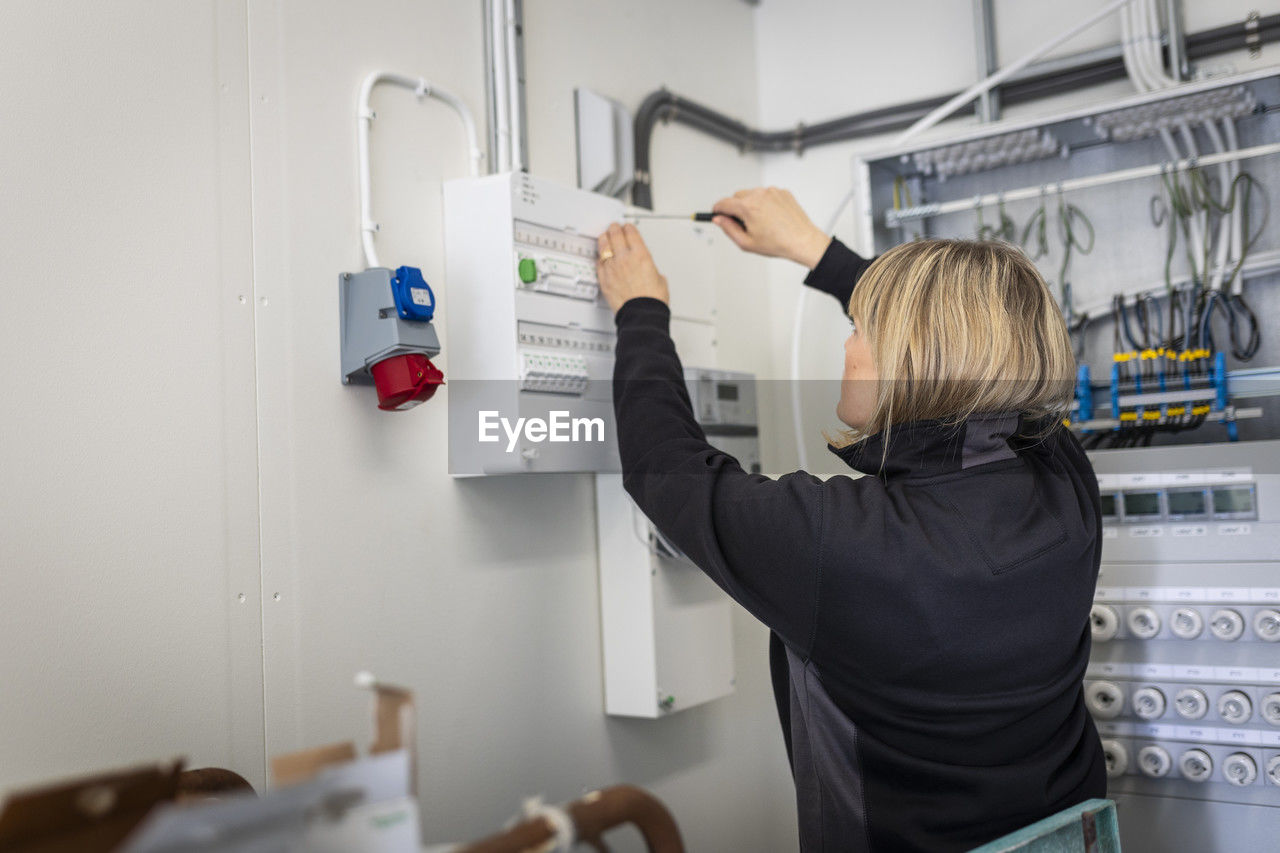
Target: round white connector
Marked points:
1191	703
1196	765
1115	756
1273	770
1270	709
1186	623
1105	699
1154	761
1266	624
1226	624
1148	703
1103	623
1235	707
1143	622
1240	769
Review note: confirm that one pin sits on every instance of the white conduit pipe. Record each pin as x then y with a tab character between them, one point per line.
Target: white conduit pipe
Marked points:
1003	74
365	115
501	83
514	120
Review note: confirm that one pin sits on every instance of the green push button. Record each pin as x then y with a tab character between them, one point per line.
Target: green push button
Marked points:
527	270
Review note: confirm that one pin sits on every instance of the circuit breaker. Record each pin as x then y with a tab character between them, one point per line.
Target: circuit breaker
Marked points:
1184	677
666	628
530	338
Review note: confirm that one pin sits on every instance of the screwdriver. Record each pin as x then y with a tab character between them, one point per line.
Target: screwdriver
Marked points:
697	217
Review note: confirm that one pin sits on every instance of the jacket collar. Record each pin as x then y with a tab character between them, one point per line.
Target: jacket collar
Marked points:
934	447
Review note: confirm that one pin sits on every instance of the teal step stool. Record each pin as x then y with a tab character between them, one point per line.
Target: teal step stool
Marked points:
1090	827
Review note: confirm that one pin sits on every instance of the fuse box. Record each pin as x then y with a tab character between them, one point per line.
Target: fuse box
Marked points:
530	338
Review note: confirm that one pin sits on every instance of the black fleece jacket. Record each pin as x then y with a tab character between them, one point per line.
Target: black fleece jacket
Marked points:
930	621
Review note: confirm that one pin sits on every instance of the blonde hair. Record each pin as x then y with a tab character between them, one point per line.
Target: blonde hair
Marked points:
957	328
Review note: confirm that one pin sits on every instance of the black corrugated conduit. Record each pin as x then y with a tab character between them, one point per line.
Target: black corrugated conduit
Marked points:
666	106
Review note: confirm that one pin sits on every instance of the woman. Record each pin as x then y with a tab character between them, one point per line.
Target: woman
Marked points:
930	621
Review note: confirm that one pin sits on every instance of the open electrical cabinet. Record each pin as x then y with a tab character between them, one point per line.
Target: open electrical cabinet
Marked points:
1160	201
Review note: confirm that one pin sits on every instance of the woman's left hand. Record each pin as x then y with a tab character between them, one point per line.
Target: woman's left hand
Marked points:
625	268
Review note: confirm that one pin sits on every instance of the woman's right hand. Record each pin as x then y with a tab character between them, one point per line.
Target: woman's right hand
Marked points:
776	225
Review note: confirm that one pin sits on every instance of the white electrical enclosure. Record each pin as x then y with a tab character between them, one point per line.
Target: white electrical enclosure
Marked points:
665	626
528	335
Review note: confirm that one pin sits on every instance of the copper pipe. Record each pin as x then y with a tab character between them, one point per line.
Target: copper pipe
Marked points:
206	783
593	815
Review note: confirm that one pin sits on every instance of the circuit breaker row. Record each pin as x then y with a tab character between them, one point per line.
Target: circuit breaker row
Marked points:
1193	762
1203	704
552	372
1160	621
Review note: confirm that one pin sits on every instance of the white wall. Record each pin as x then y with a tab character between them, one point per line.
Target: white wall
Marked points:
862	55
180	196
128	512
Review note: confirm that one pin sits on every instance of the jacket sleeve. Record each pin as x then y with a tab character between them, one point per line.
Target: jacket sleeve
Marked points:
759	539
838	272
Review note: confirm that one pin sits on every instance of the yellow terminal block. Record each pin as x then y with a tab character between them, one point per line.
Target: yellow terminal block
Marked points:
1128	416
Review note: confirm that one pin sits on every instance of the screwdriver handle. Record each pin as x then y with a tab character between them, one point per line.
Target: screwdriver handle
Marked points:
707	216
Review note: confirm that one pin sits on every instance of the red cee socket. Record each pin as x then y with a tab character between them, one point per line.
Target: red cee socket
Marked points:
404	381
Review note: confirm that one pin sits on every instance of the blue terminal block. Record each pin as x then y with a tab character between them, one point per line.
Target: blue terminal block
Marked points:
1084	395
1222	396
413	296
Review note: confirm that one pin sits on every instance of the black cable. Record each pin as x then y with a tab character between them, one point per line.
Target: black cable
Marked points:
664	105
1255	334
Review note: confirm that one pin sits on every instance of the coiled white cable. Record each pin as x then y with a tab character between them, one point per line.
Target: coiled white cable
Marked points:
797	415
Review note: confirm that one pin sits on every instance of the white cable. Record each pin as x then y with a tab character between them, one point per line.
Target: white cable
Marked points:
1003	74
1132	61
364	120
797	417
1224	225
1199	222
797	328
1149	21
1238	236
1133	32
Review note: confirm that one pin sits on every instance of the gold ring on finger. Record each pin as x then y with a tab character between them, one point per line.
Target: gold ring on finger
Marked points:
605	255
